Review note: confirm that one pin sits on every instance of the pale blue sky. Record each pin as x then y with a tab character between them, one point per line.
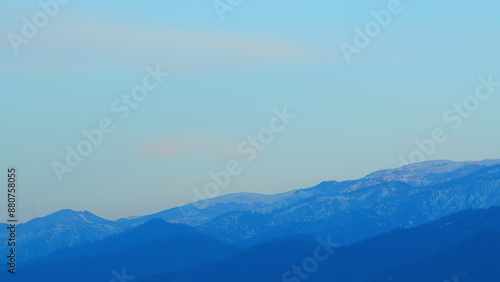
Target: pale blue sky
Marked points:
226	79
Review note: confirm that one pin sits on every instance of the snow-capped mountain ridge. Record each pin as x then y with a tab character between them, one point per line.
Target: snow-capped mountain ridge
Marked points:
352	210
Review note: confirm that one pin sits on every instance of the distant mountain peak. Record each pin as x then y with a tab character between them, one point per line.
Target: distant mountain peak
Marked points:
428	172
68	216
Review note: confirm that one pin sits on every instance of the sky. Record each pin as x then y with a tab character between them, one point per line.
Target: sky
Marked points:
414	71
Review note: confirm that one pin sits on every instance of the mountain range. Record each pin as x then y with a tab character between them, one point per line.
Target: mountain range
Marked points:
238	226
461	246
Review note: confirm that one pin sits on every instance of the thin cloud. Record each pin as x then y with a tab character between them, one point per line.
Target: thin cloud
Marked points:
188	146
132	47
